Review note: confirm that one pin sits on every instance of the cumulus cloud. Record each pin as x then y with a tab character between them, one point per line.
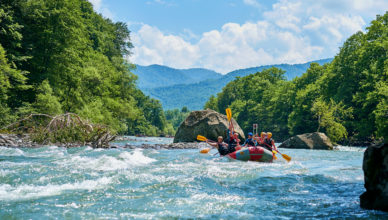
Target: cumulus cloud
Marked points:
99	6
290	32
254	3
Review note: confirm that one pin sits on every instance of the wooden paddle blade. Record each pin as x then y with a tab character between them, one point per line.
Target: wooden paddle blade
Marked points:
229	114
205	151
201	138
275	157
286	157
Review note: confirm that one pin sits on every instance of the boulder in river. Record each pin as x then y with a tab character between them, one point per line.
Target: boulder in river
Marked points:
208	123
375	166
316	140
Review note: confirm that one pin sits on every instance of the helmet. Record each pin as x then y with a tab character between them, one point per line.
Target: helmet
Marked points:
250	134
262	134
269	134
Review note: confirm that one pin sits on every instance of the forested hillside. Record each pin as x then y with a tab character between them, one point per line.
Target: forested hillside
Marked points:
195	95
347	99
61	56
154	76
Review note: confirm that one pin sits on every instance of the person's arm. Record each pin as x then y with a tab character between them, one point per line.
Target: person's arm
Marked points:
273	145
213	144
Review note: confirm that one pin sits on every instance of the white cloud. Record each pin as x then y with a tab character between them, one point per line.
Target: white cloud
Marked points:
96	4
254	3
290	32
100	7
152	46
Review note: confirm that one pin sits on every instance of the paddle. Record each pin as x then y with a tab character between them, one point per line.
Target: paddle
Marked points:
202	138
285	156
229	116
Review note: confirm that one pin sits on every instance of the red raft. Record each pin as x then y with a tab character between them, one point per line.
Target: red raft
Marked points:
258	154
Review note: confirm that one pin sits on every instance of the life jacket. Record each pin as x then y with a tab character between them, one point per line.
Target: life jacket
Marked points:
260	142
249	142
268	143
222	149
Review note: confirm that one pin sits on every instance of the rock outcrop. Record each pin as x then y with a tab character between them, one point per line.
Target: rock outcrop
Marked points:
316	140
208	123
375	166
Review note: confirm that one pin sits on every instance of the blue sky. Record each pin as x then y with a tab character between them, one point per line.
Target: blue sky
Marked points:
225	35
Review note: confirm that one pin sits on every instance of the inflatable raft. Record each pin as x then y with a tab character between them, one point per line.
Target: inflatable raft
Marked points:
258	154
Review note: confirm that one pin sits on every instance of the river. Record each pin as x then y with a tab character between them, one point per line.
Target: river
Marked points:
85	183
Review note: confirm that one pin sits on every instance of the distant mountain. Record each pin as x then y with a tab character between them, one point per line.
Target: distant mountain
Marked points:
154	76
195	95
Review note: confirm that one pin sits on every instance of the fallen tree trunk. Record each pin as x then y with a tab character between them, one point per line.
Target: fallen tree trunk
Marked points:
68	129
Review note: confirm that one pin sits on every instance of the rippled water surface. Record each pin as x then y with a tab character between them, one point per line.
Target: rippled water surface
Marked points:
52	182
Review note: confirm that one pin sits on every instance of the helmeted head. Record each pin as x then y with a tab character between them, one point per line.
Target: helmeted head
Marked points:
220	139
269	134
262	134
250	135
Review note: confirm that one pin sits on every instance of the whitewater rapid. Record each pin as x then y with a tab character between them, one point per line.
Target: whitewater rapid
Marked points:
54	182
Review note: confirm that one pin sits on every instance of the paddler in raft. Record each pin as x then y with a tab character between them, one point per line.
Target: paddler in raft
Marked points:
259	139
249	141
233	141
221	146
268	142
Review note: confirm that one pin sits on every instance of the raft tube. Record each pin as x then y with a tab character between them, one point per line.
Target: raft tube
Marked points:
258	154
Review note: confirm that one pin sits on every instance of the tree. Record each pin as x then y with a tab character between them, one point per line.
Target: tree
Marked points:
46	102
330	116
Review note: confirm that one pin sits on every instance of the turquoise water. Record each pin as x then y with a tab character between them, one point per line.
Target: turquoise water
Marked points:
86	183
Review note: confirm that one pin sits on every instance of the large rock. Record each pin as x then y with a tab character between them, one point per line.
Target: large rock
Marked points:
314	140
208	123
375	168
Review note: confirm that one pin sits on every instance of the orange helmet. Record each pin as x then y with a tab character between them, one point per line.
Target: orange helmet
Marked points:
262	134
269	134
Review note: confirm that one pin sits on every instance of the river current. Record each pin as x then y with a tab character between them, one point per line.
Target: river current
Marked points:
85	183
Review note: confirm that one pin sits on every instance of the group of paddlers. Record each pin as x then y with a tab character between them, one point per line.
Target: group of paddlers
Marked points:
232	143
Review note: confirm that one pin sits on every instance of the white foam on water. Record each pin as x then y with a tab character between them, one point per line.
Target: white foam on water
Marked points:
5	172
26	192
136	158
6	151
124	160
349	148
68	205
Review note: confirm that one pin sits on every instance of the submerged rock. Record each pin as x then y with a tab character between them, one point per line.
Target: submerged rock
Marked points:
375	166
208	123
314	140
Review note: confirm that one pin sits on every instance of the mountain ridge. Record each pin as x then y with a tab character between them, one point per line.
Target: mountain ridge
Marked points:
195	94
167	76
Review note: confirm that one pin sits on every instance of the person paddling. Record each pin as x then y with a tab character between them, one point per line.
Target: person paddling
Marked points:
221	146
260	139
249	140
269	143
232	142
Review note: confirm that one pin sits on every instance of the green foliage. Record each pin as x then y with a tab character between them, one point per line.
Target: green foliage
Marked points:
173	91
75	63
347	97
11	80
46	102
176	117
330	117
212	103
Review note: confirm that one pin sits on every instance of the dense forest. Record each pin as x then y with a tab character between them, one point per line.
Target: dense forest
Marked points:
60	56
195	94
347	98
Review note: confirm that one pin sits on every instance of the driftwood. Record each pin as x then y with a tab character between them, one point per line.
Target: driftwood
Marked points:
68	129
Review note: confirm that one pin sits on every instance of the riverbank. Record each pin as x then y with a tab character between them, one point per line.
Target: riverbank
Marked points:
24	141
131	142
